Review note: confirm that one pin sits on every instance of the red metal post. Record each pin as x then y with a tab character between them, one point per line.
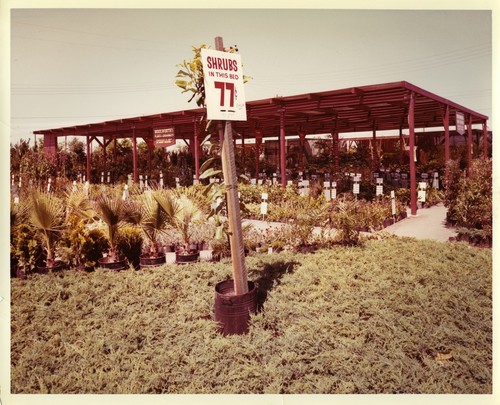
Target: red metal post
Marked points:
374	150
258	143
150	145
413	175
88	158
335	137
401	146
282	148
446	122
104	157
485	140
134	156
302	150
469	142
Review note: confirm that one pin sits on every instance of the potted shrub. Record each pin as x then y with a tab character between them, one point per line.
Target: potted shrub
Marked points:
129	241
84	246
114	212
153	220
46	215
17	217
183	212
27	250
344	218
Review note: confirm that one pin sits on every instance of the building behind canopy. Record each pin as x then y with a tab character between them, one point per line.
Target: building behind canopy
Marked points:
399	108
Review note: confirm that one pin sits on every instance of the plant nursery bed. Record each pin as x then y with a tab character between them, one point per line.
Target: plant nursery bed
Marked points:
395	315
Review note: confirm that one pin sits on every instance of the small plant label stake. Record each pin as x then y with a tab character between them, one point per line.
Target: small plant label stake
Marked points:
263	206
435	181
379	189
328	193
125	193
393	203
422	186
355	186
226	101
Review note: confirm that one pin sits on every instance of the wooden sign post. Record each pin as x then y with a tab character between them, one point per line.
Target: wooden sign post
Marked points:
223	75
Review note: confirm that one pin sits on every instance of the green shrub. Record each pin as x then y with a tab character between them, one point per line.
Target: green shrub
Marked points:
474	202
345	219
27	248
452	179
129	243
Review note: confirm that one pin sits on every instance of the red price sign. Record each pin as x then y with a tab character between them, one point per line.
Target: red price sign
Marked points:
224	93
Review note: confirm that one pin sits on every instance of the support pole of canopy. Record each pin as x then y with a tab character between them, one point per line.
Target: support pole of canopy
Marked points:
413	175
282	148
258	143
485	140
335	151
302	150
374	150
104	156
150	145
134	156
469	142
446	123
88	157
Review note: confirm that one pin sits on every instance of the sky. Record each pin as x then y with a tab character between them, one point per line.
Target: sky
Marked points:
79	66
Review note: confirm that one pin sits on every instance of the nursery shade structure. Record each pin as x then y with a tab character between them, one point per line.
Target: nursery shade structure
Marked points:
390	106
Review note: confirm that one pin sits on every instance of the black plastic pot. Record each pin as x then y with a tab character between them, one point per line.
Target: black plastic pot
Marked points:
232	312
119	264
187	258
44	269
149	261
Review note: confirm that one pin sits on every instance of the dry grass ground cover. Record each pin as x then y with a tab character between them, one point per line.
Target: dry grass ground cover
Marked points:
393	316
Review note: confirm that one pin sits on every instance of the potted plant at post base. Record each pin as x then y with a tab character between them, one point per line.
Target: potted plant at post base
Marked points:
114	212
47	215
183	211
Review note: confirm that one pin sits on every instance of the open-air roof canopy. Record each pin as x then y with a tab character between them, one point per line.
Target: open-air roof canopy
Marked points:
354	109
391	106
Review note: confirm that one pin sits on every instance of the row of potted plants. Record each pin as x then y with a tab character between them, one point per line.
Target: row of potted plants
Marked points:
81	224
82	228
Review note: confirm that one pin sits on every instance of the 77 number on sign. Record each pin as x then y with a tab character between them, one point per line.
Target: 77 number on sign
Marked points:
223	86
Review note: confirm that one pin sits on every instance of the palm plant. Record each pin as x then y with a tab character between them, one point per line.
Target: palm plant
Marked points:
47	215
183	211
114	212
153	219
